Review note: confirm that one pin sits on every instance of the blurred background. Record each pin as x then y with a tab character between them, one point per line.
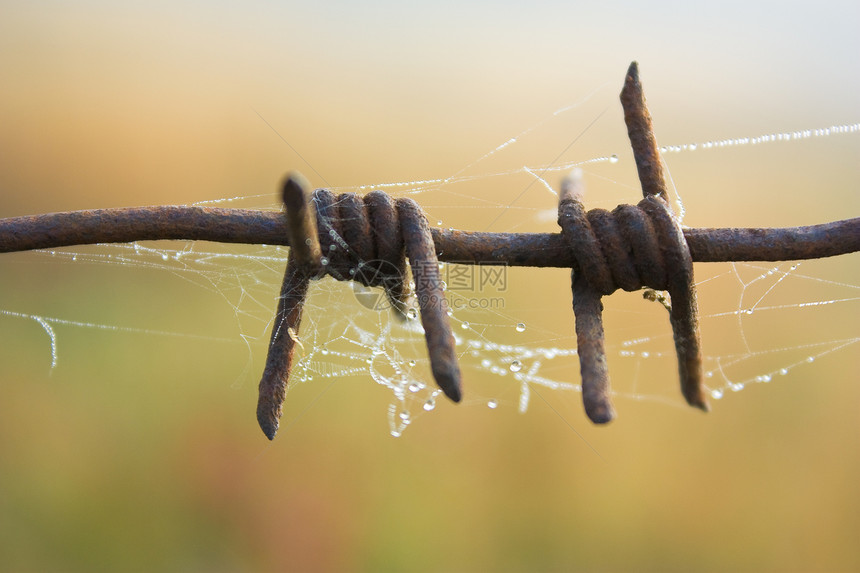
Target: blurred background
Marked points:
139	449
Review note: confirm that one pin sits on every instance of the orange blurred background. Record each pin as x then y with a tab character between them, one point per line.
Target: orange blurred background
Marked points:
139	451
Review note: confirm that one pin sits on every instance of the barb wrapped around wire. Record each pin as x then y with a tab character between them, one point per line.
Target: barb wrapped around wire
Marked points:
366	240
629	248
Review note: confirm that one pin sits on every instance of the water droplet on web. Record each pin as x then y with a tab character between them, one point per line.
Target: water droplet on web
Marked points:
324	261
324	350
415	387
810	358
717	394
613	158
396	433
520	327
412	314
444	285
412	362
783	371
404	415
464	325
493	404
516	366
164	257
430	404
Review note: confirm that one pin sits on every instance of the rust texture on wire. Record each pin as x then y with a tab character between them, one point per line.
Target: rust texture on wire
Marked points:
367	239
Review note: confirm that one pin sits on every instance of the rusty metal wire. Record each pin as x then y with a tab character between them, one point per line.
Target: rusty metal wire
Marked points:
630	248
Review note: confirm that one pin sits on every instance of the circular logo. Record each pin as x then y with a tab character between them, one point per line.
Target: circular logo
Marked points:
373	272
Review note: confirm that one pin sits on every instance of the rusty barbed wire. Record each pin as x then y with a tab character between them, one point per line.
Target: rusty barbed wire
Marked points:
367	239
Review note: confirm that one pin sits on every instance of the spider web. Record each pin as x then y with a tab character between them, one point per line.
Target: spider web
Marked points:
513	327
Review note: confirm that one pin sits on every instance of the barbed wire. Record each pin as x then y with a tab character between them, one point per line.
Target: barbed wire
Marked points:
367	239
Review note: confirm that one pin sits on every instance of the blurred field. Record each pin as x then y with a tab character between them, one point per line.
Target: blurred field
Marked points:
140	451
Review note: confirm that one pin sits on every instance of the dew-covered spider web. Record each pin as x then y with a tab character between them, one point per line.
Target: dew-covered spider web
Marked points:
761	322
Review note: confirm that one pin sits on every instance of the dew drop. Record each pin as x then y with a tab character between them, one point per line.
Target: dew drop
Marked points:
464	325
412	314
613	158
396	433
783	371
164	257
493	404
486	363
521	327
414	387
716	394
404	415
324	350
324	261
810	358
430	404
516	366
412	362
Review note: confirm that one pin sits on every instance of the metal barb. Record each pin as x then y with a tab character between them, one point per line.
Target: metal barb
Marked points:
641	134
279	361
301	221
676	252
431	297
603	244
357	251
588	313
